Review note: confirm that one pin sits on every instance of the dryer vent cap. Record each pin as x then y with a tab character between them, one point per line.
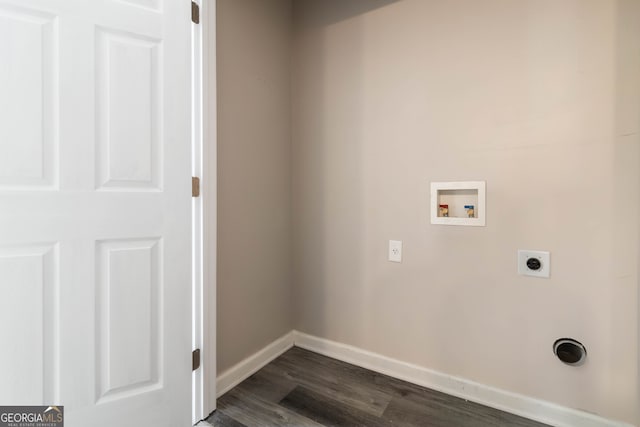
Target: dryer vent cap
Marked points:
570	351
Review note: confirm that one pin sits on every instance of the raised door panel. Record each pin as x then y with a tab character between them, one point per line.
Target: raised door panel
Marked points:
128	109
29	309
28	108
129	317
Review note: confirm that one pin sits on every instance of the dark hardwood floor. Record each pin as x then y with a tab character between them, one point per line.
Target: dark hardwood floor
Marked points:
302	388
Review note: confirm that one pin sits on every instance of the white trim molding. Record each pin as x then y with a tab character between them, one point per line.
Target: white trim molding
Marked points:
209	197
528	407
252	364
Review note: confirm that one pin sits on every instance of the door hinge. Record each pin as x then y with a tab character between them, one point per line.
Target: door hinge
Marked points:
195	186
195	359
195	12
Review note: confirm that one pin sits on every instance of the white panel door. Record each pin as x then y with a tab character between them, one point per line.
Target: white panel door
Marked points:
95	209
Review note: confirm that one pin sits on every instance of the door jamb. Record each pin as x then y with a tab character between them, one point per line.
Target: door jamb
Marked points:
205	209
210	197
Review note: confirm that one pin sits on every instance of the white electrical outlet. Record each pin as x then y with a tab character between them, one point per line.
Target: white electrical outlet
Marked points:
534	263
395	250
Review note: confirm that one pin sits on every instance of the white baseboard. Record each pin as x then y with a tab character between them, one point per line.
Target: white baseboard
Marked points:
534	409
249	366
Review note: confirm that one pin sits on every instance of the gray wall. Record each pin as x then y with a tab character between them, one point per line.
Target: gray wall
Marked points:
538	98
254	176
334	148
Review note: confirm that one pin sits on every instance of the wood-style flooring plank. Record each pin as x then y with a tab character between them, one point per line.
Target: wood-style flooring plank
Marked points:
329	412
323	375
433	402
218	419
268	385
407	413
253	411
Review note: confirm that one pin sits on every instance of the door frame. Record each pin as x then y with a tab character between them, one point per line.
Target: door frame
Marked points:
210	194
205	209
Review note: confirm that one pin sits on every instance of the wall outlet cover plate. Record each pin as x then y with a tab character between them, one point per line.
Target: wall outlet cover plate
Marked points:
395	250
534	263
